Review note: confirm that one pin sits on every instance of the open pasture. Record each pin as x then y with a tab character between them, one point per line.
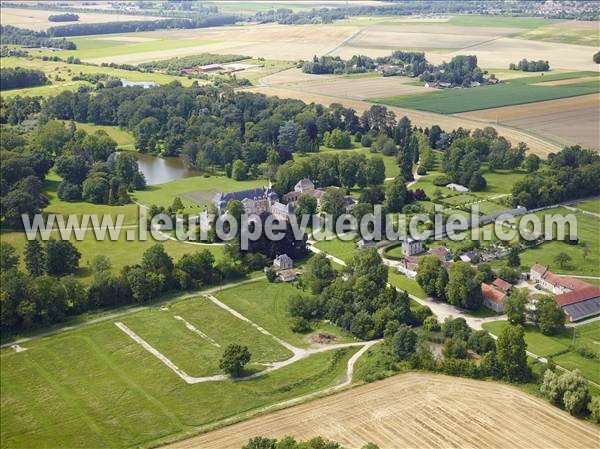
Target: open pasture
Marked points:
416	410
37	19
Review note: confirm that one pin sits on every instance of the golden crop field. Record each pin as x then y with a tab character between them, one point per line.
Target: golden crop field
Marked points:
417	410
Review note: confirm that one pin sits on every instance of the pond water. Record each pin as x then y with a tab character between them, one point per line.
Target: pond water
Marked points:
159	170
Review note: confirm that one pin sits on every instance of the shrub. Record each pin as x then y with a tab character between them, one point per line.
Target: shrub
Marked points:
441	180
421	171
300	325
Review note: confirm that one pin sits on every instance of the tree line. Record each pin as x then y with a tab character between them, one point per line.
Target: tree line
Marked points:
11	35
132	26
18	78
530	66
66	17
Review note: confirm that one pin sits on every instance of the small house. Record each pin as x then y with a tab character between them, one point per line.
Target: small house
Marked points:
493	298
411	246
283	262
287	275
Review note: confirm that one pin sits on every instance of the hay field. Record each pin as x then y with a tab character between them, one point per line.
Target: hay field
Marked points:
417	410
567	121
419	118
359	88
38	19
278	42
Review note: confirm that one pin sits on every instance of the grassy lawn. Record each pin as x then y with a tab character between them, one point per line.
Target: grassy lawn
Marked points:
588	229
589	205
96	387
400	281
267	305
546	346
163	194
123	137
511	92
338	248
193	354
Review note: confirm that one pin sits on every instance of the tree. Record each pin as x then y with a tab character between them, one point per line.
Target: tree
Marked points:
157	260
96	189
511	353
375	171
100	263
549	317
333	202
318	273
234	358
306	205
238	170
513	257
394	195
456	328
562	259
368	264
481	342
464	286
271	275
287	136
144	285
532	162
514	306
61	257
8	257
35	258
594	404
431	324
569	390
404	342
455	349
432	277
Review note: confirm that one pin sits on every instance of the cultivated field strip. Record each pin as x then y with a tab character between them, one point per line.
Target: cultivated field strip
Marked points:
418	410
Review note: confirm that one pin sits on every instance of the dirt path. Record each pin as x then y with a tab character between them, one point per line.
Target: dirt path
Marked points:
417	410
298	353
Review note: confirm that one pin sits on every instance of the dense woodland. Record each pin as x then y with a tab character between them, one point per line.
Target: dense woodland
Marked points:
19	78
11	35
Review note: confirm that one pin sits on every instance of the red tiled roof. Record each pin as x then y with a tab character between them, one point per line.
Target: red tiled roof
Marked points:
565	281
502	285
576	296
492	294
539	268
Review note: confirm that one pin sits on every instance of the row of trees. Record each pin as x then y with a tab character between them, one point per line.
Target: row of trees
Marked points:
131	26
336	65
47	293
18	78
530	66
462	70
11	35
66	17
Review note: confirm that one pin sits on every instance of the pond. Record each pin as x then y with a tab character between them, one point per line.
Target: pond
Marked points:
159	170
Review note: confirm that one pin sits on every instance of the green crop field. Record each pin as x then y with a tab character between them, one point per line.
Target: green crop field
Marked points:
511	92
559	347
96	387
267	305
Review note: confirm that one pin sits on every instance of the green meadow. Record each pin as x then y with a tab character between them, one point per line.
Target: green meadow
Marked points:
96	387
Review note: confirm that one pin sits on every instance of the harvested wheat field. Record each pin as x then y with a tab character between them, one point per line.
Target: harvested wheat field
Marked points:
536	144
359	88
37	20
418	410
566	121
